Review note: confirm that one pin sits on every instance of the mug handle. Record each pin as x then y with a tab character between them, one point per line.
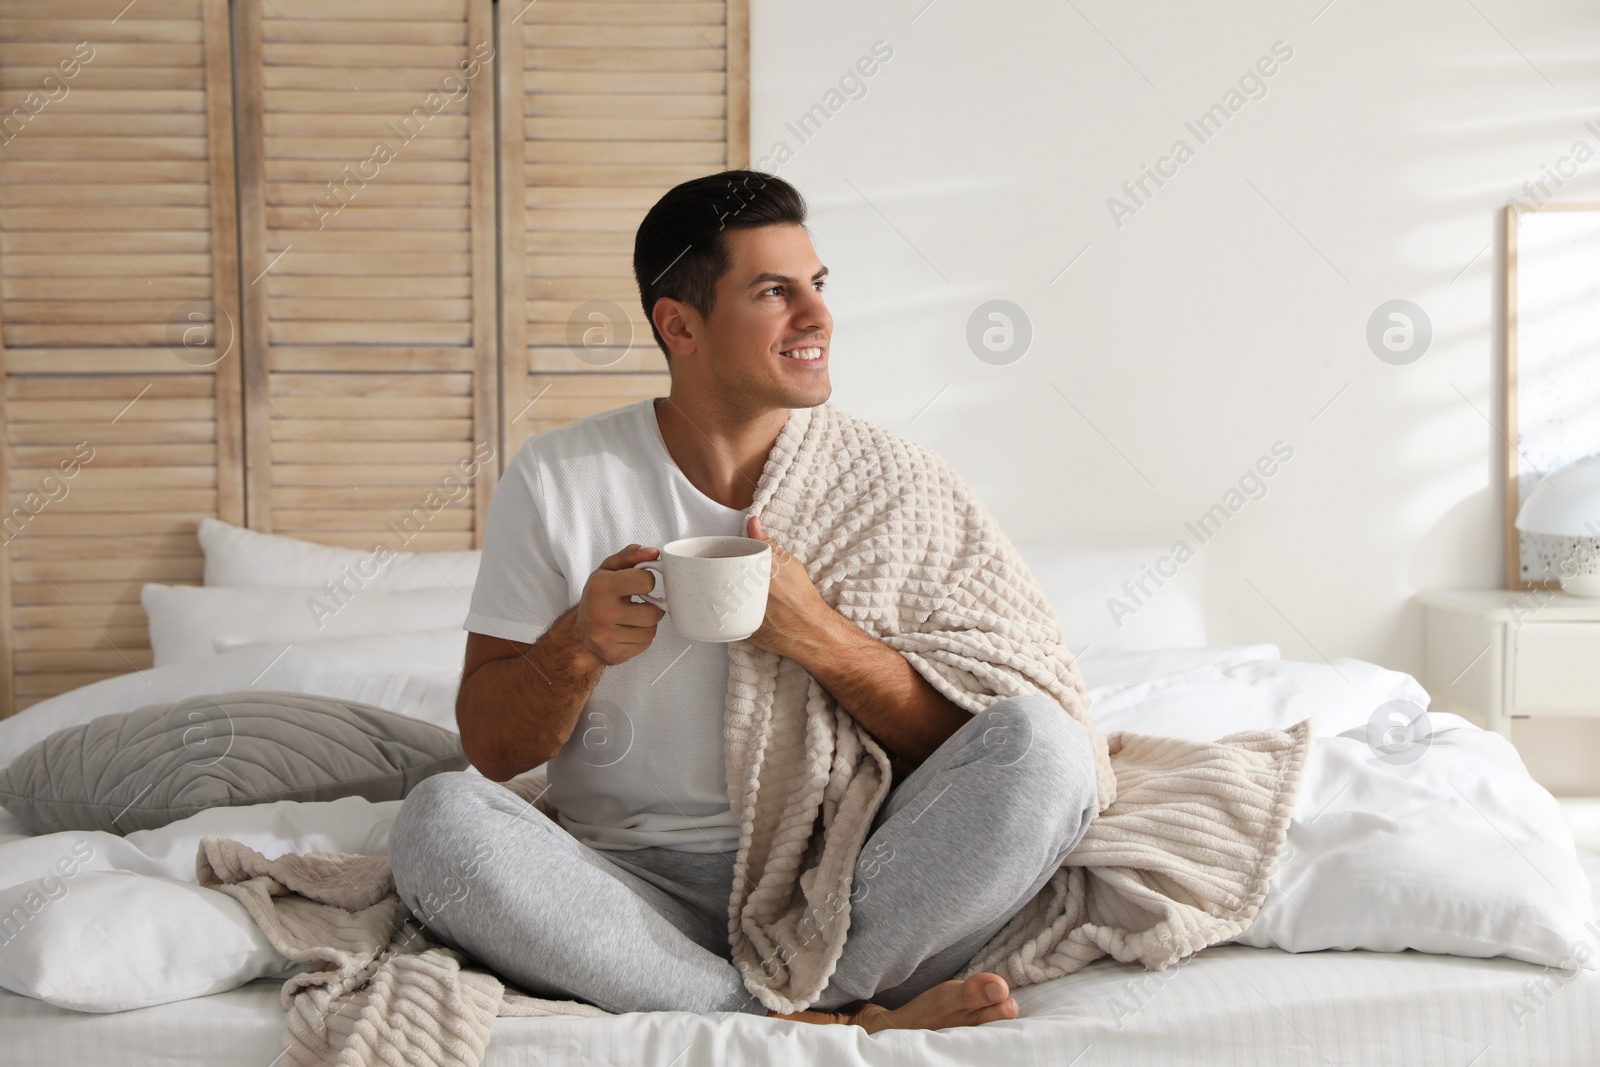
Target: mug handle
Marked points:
659	599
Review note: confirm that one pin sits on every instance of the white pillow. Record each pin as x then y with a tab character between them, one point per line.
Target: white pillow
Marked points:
1209	701
1457	852
186	621
432	652
1110	667
114	922
112	940
236	556
1080	582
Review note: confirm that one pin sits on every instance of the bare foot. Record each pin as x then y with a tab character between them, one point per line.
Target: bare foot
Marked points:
980	998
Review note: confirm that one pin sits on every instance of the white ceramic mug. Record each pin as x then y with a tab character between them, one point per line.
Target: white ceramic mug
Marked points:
715	588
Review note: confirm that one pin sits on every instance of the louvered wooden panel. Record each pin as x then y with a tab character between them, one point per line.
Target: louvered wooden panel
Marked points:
118	322
604	106
367	221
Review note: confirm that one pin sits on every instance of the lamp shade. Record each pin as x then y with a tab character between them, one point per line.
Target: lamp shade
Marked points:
1567	503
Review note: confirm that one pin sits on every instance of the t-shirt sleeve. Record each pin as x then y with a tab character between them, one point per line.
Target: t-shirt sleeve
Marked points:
521	588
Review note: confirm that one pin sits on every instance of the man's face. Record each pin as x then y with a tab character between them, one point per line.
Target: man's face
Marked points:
769	303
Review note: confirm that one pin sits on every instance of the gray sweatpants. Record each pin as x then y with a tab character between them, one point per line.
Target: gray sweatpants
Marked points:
957	848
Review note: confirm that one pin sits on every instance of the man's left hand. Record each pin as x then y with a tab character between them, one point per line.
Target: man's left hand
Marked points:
796	612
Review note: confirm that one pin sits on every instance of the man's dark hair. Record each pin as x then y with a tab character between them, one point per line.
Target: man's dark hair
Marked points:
680	250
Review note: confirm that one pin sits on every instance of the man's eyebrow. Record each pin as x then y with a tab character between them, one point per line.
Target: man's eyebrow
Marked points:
770	276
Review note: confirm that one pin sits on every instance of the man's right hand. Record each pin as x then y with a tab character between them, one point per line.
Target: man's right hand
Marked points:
614	629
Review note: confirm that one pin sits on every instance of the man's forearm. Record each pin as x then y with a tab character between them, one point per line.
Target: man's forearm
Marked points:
879	688
517	711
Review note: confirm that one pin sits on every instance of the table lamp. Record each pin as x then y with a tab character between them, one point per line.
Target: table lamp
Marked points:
1566	504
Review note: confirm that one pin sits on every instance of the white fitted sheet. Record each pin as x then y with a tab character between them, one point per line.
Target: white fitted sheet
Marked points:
1230	1004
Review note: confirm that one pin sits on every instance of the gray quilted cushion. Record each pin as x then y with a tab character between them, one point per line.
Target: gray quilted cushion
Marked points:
151	766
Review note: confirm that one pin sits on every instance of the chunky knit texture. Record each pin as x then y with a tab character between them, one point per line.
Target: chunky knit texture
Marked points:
381	990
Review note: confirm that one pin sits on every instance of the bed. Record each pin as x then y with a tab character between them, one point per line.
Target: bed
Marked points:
1229	1004
1509	929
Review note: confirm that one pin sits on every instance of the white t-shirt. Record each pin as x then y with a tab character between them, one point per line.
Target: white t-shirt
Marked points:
645	763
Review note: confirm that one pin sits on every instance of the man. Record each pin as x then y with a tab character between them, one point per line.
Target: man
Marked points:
623	899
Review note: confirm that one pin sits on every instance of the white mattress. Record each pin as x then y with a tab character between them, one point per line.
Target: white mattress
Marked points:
1231	1004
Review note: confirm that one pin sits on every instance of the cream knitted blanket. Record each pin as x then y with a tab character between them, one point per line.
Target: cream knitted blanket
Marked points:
381	989
1188	833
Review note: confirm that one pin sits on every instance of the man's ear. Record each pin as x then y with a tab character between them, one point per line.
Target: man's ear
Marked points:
677	323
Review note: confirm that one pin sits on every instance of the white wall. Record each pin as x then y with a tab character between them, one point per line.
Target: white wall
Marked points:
1225	313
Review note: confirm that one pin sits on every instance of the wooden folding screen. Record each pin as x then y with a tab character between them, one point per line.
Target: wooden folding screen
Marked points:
366	198
371	310
118	323
603	107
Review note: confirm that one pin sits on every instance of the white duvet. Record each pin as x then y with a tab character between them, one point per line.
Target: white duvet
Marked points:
1446	847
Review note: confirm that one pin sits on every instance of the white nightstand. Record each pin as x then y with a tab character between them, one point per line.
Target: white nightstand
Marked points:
1510	654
